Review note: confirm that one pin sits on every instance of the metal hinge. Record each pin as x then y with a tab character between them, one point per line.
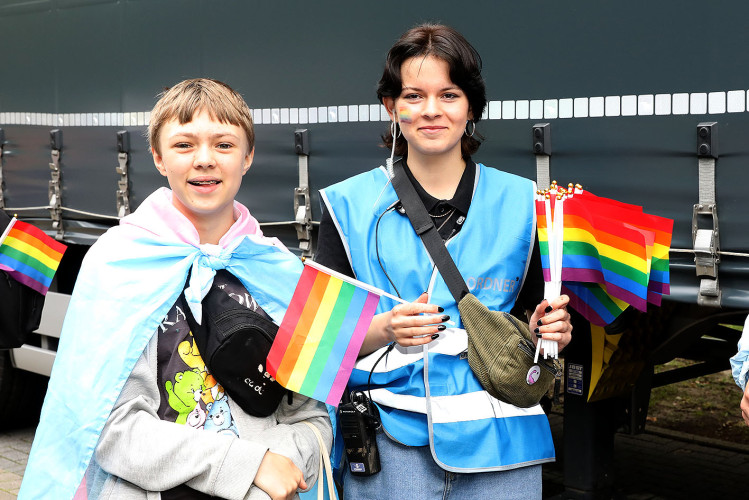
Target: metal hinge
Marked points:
302	198
55	184
123	184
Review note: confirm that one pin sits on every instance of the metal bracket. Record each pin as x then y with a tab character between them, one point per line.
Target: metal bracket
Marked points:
55	184
541	134
706	243
706	240
302	198
2	183
123	184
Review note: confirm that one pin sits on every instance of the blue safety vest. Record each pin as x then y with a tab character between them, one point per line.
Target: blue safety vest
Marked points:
428	394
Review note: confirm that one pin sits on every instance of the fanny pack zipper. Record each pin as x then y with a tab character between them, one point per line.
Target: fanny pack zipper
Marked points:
228	315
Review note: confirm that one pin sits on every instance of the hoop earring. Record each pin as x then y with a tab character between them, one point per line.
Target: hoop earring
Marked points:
473	130
389	161
393	129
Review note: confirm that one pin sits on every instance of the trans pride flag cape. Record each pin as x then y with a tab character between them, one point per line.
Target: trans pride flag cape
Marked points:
129	280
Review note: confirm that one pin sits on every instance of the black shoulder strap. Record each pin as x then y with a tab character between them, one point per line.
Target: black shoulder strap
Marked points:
428	233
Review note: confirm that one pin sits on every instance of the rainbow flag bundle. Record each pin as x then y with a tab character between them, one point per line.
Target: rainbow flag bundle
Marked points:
321	333
28	255
604	254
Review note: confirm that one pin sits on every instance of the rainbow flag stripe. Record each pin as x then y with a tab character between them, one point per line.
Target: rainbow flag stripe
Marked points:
593	302
602	250
30	256
612	254
661	227
320	335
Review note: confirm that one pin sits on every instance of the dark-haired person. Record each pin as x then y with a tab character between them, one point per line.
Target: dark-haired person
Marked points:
442	436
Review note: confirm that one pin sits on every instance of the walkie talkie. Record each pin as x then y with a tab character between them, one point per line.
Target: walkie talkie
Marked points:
359	424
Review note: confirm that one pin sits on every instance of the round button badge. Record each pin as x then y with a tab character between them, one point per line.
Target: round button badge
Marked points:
534	373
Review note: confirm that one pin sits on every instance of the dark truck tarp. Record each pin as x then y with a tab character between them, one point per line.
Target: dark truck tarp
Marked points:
68	63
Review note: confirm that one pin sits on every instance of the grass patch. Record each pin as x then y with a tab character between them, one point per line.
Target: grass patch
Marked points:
706	406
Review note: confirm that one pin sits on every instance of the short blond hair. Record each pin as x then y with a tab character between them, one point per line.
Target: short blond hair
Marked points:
189	96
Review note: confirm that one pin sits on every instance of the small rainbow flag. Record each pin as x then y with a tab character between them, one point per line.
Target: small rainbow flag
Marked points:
661	227
28	255
599	249
321	333
605	254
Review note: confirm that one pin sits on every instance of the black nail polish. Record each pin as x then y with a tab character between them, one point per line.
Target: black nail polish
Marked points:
441	327
440	309
539	322
539	335
536	330
435	336
548	309
445	318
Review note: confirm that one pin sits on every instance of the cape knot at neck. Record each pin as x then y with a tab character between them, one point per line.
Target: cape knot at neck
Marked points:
214	259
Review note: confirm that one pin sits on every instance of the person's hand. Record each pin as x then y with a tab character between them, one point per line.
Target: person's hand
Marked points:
411	324
745	405
406	325
552	321
279	477
414	324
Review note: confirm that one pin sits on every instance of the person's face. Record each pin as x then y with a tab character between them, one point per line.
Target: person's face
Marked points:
432	111
204	161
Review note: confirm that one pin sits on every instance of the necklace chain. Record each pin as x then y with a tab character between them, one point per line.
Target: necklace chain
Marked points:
446	215
449	212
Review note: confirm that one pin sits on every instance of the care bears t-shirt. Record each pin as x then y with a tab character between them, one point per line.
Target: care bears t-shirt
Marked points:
189	393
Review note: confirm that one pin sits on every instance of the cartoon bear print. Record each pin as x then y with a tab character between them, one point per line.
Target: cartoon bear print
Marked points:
188	351
197	417
183	394
219	418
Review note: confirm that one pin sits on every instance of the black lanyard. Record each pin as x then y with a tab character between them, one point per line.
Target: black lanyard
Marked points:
428	233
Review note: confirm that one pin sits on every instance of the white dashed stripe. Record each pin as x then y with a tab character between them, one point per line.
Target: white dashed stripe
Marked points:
698	103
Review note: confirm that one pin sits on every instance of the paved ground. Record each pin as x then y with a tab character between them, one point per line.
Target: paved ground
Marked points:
14	451
664	465
656	465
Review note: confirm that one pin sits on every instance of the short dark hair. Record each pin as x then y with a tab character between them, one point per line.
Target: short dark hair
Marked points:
445	43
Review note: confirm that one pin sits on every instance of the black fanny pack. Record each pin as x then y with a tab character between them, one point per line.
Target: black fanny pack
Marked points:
234	342
20	311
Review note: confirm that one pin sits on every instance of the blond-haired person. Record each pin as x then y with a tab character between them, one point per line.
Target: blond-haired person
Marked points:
133	411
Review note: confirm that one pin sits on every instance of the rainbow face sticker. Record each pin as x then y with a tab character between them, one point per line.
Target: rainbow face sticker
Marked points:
404	115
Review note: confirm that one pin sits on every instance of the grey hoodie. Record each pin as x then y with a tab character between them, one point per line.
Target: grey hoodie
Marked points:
139	455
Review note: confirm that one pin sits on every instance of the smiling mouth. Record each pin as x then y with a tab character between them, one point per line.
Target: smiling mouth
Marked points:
203	183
